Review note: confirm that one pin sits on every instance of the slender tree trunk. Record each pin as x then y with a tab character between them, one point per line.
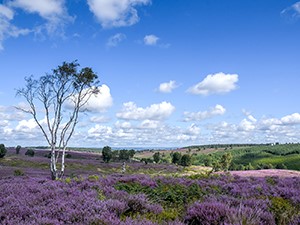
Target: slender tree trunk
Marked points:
53	168
63	162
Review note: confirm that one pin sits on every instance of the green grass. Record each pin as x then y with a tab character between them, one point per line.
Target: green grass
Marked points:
287	154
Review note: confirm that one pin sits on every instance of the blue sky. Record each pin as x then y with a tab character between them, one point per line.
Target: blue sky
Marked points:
173	72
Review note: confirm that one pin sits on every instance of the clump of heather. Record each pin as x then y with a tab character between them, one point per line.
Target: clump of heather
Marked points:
207	213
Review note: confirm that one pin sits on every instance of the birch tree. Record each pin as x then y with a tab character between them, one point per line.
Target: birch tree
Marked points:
55	101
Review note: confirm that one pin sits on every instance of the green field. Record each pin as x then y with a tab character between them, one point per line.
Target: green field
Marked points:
259	156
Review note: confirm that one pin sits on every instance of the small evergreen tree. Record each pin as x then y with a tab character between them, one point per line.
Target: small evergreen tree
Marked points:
225	161
18	148
2	150
156	157
106	154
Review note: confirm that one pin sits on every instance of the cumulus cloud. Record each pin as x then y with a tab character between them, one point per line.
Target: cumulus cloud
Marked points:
159	111
150	124
292	119
167	87
53	11
202	115
7	29
101	101
116	13
218	83
151	39
114	40
26	125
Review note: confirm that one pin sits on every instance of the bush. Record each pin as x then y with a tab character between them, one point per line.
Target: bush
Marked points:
207	213
106	154
18	172
147	160
68	156
156	157
2	150
18	148
186	160
281	166
30	152
176	157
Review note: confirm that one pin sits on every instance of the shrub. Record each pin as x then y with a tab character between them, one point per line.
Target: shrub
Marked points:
18	148
106	154
2	150
30	152
68	156
207	213
281	166
147	160
18	172
176	157
186	160
48	155
156	157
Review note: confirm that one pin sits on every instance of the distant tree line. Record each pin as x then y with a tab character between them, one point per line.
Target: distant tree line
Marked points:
117	155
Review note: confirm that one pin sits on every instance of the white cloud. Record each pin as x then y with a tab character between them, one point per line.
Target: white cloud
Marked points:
53	11
114	40
116	13
150	124
123	125
193	129
198	116
218	83
6	12
151	40
26	125
292	119
100	102
7	29
159	111
292	13
99	119
246	125
45	8
167	87
100	131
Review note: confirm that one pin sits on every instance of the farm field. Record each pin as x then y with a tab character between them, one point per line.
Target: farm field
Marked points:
94	192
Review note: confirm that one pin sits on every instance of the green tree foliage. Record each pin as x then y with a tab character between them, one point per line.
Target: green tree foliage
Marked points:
18	148
2	150
176	157
125	155
156	157
186	160
30	152
147	160
225	161
107	154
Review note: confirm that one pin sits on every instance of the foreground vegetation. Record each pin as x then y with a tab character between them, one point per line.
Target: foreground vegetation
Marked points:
142	199
95	192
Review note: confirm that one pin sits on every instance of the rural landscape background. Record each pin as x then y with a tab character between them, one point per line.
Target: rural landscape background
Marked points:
194	119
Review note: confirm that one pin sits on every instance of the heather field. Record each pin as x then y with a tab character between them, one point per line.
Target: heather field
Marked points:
94	192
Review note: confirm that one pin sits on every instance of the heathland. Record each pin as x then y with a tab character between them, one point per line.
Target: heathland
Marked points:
147	189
